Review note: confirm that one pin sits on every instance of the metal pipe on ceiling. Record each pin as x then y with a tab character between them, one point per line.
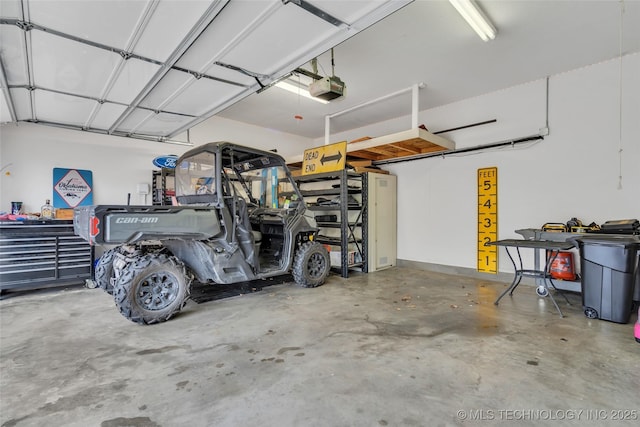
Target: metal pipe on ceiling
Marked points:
7	94
126	54
486	122
26	15
476	148
93	98
160	139
28	26
316	11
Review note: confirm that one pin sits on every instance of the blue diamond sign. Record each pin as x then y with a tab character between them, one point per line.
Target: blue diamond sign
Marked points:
72	187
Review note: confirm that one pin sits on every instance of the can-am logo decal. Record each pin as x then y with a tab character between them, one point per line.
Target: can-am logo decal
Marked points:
137	220
166	161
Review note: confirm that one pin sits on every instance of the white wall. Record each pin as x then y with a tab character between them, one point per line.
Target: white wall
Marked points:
29	152
573	172
219	129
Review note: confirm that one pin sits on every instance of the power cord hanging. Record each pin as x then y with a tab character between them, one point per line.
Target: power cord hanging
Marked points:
333	65
620	97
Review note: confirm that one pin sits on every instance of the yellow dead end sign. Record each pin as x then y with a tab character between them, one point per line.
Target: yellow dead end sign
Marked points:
326	158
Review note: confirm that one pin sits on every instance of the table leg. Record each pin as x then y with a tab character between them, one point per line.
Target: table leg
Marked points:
553	300
516	279
518	271
547	276
559	291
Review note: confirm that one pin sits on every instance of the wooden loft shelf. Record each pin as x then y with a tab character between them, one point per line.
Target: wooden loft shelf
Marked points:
401	144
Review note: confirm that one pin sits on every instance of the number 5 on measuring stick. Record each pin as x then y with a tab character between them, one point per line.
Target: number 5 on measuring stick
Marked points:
487	219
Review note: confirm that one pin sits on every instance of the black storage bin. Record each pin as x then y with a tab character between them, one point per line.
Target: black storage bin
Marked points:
608	267
636	293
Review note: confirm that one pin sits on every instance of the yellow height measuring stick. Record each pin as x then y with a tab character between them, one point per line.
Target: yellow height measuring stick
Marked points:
487	219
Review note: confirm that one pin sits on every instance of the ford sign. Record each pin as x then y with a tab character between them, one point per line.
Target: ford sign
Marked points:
168	161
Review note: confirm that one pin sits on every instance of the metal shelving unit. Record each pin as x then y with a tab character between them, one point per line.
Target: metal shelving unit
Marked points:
351	218
163	186
42	253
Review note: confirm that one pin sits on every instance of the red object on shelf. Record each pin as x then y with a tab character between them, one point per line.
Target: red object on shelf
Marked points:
562	267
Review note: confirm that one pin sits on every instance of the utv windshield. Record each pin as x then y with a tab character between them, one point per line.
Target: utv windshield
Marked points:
258	178
264	187
195	180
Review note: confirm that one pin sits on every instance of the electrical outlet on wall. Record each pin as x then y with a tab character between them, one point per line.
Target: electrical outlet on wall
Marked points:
143	188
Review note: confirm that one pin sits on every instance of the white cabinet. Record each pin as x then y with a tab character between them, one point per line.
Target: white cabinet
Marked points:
382	221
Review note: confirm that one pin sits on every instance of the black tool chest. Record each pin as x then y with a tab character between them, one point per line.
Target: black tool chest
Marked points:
42	253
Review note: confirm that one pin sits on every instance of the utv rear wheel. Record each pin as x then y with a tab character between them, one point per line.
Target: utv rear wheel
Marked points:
311	265
152	289
104	270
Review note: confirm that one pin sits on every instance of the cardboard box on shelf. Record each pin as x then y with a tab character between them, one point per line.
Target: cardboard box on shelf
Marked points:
359	163
63	213
373	170
353	257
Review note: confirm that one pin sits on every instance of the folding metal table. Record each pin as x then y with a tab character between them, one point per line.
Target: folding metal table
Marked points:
552	249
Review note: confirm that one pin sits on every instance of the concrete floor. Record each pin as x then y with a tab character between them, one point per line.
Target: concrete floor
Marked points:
399	347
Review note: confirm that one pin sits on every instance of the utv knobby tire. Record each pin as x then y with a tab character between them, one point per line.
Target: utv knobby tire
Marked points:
311	265
151	289
104	270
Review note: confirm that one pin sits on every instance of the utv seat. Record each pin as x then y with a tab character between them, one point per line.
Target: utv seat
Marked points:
257	237
249	239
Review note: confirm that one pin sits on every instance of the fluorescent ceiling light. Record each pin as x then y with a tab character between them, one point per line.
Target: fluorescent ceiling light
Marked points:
298	90
475	18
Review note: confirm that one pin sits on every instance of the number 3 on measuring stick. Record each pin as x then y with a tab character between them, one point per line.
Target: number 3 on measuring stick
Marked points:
487	219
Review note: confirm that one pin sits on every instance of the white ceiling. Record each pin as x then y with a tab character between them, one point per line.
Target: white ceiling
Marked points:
429	42
154	93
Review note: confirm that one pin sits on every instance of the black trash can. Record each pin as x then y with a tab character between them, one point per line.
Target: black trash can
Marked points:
609	265
636	293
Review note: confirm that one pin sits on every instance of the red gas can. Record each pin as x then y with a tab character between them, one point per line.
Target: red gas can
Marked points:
562	266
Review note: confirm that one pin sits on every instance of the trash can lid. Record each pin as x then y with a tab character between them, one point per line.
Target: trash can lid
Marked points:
607	240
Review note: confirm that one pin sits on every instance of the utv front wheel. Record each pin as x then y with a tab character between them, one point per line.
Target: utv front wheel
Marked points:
152	289
311	265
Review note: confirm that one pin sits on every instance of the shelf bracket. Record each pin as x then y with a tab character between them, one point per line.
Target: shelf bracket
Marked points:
415	107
